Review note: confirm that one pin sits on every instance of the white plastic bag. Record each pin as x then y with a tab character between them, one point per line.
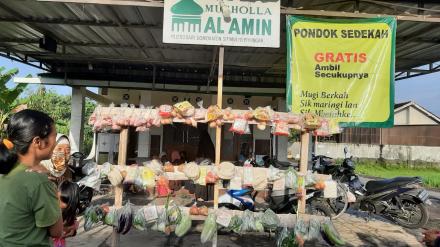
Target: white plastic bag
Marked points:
93	181
89	168
291	179
105	169
248	175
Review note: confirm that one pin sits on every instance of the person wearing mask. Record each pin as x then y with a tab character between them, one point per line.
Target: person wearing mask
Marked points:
57	165
29	207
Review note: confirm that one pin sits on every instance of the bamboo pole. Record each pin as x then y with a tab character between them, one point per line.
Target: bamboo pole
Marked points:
305	139
218	131
122	159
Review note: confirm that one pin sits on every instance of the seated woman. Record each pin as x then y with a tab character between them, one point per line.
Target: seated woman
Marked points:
57	166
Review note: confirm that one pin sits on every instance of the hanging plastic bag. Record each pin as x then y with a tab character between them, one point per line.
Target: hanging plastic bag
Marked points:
125	219
282	235
211	177
165	111
203	173
184	225
228	115
259	227
332	234
110	217
226	170
314	230
89	168
93	181
162	187
139	220
155	166
192	171
132	174
209	228
291	179
200	112
248	175
310	178
270	220
248	224
235	224
281	128
301	228
184	109
273	174
239	126
115	176
105	169
148	177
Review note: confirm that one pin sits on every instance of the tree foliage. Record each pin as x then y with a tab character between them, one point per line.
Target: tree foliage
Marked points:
59	108
8	97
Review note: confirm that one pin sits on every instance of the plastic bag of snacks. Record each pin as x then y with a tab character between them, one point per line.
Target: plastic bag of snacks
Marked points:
262	113
165	111
239	126
312	121
281	128
213	113
200	112
132	174
248	224
184	109
291	179
162	187
192	171
228	115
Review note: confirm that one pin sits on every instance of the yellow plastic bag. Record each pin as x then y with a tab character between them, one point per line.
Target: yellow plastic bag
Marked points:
148	177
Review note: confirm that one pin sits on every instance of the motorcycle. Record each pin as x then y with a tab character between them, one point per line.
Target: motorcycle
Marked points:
284	201
400	199
86	192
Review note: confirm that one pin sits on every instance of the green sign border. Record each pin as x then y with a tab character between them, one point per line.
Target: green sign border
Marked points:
390	21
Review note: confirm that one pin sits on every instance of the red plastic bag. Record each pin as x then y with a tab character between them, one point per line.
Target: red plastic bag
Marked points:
281	128
163	187
165	111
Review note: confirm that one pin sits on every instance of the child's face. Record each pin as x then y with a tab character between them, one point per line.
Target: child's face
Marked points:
62	204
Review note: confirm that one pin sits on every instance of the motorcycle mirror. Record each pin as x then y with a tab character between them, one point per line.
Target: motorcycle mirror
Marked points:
345	150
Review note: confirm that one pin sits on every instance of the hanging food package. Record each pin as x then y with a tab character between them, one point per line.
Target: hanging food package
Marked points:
161	224
293	118
93	215
162	187
311	121
211	177
192	171
301	228
281	128
235	224
248	224
200	112
125	219
262	114
228	115
184	109
273	174
156	166
282	235
314	229
270	220
110	217
323	130
115	177
226	170
214	112
174	213
209	228
291	179
168	167
239	126
248	175
148	177
132	174
139	220
203	173
184	225
259	227
332	234
165	111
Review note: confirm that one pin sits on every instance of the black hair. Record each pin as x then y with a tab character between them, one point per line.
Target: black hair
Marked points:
22	128
70	196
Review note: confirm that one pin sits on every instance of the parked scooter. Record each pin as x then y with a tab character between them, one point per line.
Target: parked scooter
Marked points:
284	201
85	192
400	199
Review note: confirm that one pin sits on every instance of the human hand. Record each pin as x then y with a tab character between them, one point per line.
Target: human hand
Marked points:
429	236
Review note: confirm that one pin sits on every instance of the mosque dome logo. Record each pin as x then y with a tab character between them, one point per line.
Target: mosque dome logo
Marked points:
186	16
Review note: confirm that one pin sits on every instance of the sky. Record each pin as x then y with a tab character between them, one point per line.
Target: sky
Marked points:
424	90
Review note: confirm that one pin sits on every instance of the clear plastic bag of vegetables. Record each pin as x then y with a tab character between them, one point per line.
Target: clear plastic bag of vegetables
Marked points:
235	224
301	228
139	221
174	213
331	234
259	227
209	228
183	226
270	220
288	238
110	217
283	234
248	224
93	215
124	219
314	229
291	179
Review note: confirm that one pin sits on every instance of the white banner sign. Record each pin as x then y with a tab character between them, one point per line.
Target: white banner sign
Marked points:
222	22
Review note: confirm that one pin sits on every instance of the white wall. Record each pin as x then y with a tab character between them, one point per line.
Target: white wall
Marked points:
389	152
412	116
